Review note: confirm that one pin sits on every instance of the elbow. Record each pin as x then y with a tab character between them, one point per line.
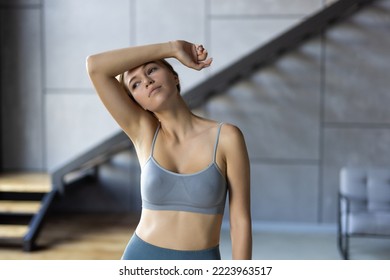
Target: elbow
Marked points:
241	221
91	64
241	225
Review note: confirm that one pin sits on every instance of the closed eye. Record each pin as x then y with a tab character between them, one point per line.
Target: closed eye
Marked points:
151	70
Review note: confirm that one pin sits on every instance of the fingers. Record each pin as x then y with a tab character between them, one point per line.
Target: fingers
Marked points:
194	56
201	52
202	60
207	62
203	64
199	48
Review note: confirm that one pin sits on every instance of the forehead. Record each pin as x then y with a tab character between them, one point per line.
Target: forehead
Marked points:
139	69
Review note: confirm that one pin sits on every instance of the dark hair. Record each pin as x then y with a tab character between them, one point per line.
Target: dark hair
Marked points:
164	62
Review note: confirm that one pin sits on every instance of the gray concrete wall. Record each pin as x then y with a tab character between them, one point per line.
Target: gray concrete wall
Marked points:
22	99
316	109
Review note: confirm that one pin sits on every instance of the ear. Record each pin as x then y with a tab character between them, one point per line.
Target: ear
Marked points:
177	80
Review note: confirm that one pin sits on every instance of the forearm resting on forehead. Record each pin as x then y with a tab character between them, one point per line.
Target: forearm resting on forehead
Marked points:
115	62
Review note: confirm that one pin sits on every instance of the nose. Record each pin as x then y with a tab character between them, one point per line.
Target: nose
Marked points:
148	81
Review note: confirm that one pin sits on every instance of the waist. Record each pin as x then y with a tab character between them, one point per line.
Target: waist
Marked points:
180	230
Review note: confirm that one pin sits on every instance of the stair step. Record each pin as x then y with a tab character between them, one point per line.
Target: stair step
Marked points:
13	231
25	182
15	206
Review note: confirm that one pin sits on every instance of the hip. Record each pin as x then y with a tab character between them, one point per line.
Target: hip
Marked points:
138	249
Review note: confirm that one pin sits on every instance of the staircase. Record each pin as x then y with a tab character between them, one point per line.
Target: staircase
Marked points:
25	198
24	201
268	53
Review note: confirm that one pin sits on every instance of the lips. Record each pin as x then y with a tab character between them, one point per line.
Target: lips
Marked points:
153	91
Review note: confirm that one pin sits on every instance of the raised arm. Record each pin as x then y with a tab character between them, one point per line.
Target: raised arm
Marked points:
238	175
104	67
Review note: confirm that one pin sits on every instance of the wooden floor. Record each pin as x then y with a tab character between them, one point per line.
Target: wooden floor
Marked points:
25	182
78	237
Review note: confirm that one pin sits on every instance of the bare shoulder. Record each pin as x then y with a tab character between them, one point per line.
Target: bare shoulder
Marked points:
231	132
234	153
232	138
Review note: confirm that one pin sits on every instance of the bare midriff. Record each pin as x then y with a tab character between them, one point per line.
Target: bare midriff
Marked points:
179	230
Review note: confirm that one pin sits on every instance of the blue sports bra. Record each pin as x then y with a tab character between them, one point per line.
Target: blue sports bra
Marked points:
201	192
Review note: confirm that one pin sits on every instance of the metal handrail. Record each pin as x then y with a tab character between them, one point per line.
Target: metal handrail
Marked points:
263	56
91	158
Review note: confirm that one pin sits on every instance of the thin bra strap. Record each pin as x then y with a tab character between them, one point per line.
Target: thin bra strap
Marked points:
216	142
154	139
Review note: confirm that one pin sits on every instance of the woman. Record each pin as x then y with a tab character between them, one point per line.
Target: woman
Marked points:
188	162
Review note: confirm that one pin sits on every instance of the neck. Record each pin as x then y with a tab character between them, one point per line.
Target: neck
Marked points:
176	121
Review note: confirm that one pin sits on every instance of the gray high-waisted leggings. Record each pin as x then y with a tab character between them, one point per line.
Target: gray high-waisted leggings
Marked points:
137	249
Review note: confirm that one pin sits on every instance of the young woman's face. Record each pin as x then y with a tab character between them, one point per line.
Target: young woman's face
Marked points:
150	84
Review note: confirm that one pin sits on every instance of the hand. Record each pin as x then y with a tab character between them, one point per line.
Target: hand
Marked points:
191	55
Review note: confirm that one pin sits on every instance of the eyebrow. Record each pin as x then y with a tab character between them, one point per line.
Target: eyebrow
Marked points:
143	67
